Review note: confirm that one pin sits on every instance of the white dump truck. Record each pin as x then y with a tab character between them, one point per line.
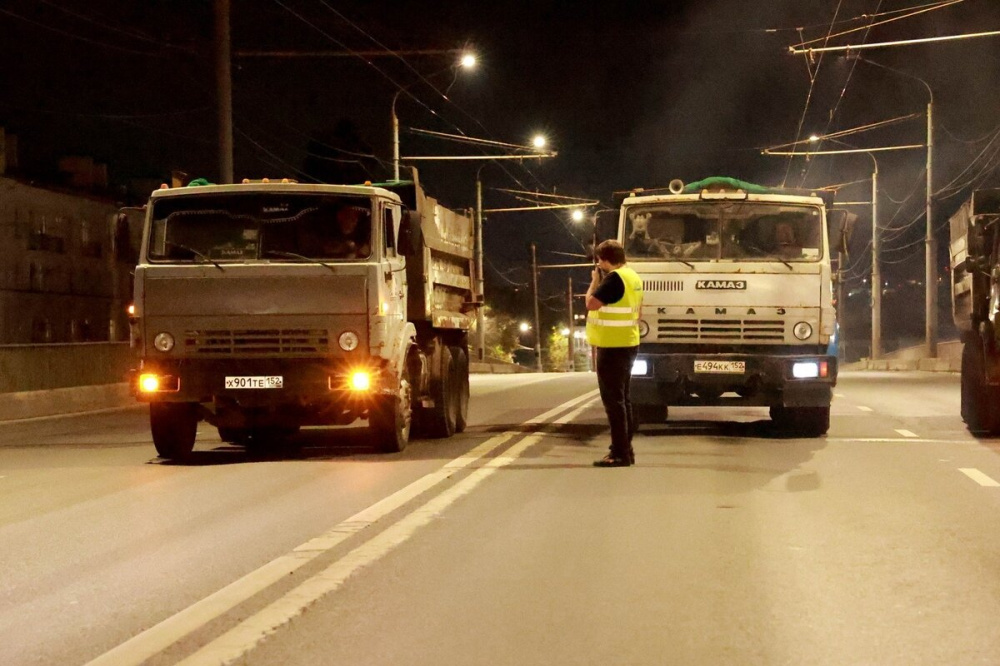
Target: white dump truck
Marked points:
738	302
262	307
975	298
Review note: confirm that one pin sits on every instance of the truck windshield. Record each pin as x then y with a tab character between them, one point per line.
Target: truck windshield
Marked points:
744	231
272	226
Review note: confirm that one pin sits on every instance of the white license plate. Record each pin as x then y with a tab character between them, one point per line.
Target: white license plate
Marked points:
721	367
270	382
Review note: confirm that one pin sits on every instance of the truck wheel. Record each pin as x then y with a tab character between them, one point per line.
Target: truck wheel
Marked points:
390	418
439	420
460	366
649	413
805	421
980	410
174	426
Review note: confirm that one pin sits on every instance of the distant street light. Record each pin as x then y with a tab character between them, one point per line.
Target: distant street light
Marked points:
813	138
539	141
577	215
564	331
467	61
524	327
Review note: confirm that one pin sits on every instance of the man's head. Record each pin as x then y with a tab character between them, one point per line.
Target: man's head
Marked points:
347	219
610	255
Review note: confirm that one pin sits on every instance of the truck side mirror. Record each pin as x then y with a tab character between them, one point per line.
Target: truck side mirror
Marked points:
409	235
606	224
841	225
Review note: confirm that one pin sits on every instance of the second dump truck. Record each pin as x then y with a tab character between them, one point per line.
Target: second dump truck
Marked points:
263	307
975	291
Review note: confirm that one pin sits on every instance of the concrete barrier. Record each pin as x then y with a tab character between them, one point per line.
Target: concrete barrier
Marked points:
496	367
34	404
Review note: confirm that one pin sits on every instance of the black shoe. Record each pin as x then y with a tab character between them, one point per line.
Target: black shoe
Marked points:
612	461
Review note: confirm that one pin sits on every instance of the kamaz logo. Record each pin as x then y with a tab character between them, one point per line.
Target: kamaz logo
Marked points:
721	284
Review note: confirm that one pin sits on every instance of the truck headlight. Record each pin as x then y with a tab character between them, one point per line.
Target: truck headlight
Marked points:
640	366
163	342
361	381
643	328
802	330
348	340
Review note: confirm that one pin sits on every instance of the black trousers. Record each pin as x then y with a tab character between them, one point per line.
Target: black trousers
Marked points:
614	374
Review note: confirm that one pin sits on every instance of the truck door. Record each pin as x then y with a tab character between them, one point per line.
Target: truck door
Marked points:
395	276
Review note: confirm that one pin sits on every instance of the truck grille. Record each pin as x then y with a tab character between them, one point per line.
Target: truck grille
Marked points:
223	342
663	285
695	330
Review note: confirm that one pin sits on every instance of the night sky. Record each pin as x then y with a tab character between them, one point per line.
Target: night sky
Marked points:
631	94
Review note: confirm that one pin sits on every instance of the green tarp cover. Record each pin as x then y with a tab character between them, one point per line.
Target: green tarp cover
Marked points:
717	181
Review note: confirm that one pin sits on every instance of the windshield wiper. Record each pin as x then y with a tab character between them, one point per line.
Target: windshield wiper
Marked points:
294	255
197	254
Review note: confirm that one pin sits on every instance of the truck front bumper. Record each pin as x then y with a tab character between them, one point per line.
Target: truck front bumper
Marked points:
761	380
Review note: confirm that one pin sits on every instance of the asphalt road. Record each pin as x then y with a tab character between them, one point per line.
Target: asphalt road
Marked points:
726	544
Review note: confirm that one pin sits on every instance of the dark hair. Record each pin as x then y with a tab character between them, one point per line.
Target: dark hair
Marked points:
611	251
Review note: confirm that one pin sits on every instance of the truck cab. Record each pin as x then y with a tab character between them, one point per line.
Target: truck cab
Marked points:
738	302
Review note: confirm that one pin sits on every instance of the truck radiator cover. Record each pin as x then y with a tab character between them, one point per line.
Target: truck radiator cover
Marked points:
271	342
693	329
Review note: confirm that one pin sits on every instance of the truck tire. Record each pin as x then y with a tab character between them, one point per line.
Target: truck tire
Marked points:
460	383
391	416
174	426
980	409
804	421
649	413
439	420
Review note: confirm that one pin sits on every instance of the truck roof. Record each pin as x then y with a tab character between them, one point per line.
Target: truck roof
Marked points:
764	198
276	186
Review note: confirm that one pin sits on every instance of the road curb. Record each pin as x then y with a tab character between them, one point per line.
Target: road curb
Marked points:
53	402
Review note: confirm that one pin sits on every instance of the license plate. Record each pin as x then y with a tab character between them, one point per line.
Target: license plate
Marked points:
721	367
269	382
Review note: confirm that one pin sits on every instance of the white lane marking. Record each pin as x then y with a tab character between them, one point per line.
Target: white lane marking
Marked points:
978	477
157	638
839	395
906	433
242	638
890	440
865	409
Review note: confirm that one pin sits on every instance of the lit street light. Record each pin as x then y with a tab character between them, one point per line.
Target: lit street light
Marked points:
467	61
539	141
524	327
577	215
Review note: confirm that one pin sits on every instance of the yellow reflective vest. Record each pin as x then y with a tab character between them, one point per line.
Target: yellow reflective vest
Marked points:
617	324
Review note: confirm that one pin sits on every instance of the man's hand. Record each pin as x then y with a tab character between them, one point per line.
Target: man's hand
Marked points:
595	278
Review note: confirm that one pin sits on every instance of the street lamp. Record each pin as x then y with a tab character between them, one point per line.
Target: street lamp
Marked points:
930	243
467	61
577	215
524	327
539	142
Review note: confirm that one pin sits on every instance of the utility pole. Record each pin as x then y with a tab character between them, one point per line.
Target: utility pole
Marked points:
571	346
931	258
538	329
876	272
841	305
224	86
480	318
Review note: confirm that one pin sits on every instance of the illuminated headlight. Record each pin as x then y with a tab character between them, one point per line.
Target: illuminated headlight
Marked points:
640	366
805	370
643	328
348	340
802	330
149	383
360	381
163	342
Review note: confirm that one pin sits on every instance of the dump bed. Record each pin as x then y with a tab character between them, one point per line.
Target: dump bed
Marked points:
974	234
441	275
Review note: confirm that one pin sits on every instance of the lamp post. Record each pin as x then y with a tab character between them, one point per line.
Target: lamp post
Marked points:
467	61
930	243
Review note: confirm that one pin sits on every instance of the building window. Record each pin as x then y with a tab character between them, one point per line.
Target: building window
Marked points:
36	276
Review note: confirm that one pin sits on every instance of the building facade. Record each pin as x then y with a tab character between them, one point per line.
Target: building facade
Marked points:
65	265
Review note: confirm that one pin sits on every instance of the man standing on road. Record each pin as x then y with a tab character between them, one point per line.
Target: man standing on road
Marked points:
613	305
